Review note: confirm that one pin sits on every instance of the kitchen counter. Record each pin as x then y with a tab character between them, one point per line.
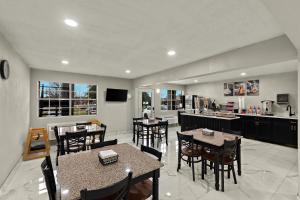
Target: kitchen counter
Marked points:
211	116
269	116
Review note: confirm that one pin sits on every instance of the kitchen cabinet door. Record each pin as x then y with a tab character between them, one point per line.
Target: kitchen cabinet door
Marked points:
250	128
281	131
264	129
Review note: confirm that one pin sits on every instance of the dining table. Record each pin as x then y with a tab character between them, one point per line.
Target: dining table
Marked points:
216	142
148	124
92	130
83	170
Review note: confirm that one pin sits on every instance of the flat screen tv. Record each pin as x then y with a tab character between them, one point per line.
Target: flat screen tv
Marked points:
116	95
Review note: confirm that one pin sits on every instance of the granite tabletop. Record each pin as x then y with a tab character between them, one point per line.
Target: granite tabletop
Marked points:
217	139
83	170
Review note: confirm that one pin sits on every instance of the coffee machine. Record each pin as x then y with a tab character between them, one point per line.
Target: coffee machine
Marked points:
267	106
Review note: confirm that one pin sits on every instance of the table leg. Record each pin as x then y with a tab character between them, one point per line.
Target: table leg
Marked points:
238	157
155	185
133	138
147	136
62	146
217	184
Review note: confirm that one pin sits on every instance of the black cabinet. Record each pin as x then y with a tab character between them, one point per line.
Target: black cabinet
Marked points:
268	129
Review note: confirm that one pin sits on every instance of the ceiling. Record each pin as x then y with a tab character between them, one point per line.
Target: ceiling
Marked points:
114	36
277	68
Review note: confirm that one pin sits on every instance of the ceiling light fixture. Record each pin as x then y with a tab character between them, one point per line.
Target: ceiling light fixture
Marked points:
127	71
243	74
65	62
71	22
171	53
196	81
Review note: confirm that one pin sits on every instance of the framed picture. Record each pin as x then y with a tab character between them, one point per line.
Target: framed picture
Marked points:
228	89
239	88
253	88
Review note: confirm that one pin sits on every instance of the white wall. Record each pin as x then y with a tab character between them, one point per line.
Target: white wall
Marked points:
117	115
14	109
270	86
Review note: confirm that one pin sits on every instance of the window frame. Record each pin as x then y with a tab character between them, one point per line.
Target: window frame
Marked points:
171	99
69	99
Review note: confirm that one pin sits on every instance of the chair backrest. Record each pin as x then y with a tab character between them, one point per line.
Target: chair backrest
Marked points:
163	125
118	191
76	138
137	118
229	150
159	118
55	129
151	151
146	116
83	123
231	131
185	141
102	136
103	144
47	170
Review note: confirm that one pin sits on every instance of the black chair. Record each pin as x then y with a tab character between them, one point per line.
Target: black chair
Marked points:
49	177
76	141
118	191
142	133
143	189
188	151
102	136
103	144
81	125
58	146
160	132
159	118
227	157
134	128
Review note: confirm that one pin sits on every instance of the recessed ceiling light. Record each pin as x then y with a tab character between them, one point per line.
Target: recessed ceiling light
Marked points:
71	22
196	81
65	62
243	74
171	53
127	71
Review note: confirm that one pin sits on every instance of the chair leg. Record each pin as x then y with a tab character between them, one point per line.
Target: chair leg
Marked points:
222	177
193	169
189	160
202	169
205	166
179	161
228	175
57	154
210	165
233	173
137	139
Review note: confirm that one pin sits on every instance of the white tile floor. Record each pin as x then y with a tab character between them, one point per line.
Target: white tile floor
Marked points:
268	172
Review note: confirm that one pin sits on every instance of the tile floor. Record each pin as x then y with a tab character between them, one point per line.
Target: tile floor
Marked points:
268	172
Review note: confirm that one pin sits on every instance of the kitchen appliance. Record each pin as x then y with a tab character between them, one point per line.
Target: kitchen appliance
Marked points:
267	107
282	98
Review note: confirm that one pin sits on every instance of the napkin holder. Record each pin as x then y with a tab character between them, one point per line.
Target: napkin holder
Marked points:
208	132
108	157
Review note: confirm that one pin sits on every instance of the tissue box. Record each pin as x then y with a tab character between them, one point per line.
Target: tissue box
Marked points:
208	132
108	157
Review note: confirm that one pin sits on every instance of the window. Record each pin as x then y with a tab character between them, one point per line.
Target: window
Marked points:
171	99
65	99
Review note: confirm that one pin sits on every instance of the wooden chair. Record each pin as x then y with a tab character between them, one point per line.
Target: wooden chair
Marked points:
143	189
103	144
32	151
49	177
76	141
142	133
118	191
134	128
226	157
160	132
188	151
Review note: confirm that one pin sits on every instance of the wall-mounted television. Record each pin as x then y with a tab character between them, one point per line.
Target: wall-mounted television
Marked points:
116	95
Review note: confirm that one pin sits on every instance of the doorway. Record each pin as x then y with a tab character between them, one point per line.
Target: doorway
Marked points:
146	102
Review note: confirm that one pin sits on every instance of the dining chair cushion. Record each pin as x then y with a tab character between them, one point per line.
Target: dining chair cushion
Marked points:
141	190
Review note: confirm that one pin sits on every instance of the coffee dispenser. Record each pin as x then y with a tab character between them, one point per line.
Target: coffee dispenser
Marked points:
267	106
